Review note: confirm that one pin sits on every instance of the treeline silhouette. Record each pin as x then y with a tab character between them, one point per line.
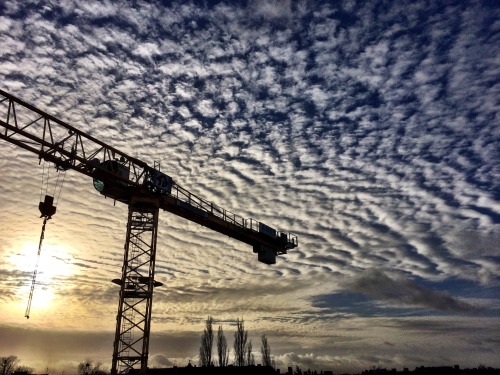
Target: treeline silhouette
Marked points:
11	365
266	370
243	350
244	361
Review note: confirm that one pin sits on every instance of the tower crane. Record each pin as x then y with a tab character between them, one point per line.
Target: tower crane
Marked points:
146	190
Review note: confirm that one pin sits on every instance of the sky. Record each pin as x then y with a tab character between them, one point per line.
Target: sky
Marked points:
369	129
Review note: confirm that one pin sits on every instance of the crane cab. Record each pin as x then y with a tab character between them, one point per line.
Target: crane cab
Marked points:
110	179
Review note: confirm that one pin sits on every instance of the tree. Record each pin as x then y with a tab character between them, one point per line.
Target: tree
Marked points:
240	343
266	352
87	367
297	371
207	339
8	364
222	349
24	370
250	361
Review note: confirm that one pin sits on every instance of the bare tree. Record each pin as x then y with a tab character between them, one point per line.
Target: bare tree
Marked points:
222	349
24	370
266	352
8	364
88	367
207	339
250	360
240	343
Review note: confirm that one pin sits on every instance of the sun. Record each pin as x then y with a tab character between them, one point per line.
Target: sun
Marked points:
54	267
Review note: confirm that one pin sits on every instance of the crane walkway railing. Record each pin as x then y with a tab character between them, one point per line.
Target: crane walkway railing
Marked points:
204	207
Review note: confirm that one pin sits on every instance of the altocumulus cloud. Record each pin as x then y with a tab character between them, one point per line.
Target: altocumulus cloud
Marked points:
398	290
368	128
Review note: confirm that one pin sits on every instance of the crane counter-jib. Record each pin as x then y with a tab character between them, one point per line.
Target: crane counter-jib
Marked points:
242	230
179	201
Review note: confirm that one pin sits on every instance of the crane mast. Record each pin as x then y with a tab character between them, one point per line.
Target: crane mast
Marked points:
146	191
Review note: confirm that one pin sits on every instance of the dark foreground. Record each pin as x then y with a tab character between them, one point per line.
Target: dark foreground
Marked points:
263	370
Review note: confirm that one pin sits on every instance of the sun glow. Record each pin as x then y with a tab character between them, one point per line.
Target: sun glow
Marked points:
54	268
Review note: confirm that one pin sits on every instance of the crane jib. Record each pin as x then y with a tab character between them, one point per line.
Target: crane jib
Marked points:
121	177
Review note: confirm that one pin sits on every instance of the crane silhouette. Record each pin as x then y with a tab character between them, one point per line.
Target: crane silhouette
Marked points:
146	190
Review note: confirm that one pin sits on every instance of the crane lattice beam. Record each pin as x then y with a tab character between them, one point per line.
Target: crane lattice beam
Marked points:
133	321
60	143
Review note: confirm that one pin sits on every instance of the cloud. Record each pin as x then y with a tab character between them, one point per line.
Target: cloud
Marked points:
271	10
399	290
160	361
367	130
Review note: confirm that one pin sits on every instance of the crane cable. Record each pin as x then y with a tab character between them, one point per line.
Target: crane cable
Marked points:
33	278
47	209
45	181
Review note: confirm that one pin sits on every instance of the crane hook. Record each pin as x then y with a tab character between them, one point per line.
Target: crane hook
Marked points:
47	209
